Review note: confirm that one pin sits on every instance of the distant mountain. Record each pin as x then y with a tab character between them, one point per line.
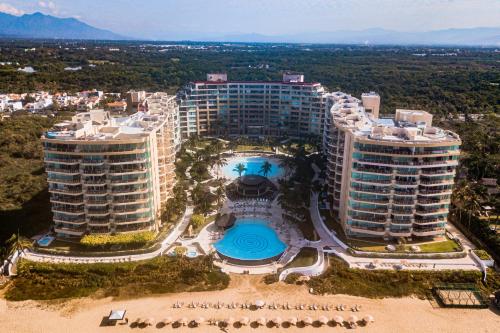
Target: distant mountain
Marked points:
466	37
38	25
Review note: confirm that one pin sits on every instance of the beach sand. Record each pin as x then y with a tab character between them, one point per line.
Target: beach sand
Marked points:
391	315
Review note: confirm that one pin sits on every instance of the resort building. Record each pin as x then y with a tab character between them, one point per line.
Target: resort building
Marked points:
387	178
217	106
112	175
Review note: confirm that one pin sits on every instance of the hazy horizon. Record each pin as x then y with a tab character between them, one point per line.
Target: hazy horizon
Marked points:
198	19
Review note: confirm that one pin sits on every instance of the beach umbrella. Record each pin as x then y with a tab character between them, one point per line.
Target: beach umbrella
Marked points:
199	320
277	321
166	321
338	320
261	321
368	319
138	321
260	303
244	321
293	321
352	319
183	321
307	321
229	321
323	320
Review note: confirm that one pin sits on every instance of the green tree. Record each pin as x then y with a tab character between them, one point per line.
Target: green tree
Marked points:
240	168
266	168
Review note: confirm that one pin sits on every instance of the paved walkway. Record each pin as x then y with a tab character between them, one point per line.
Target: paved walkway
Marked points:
337	247
165	244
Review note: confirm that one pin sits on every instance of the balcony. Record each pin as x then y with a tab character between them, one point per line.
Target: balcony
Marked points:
70	231
130	190
402	202
434	192
68	210
126	161
63	180
383	211
67	161
381	191
402	212
400	233
407	152
378	182
437	182
371	200
373	170
427	220
92	162
69	191
127	171
367	231
67	201
67	220
130	210
428	232
101	191
123	221
432	211
63	171
94	171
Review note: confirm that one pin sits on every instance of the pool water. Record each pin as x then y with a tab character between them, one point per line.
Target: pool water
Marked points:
253	165
250	239
45	240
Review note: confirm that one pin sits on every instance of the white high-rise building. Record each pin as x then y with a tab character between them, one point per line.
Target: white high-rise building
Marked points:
387	178
112	175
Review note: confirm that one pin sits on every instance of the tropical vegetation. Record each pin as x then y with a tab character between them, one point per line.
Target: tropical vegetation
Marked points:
104	240
44	281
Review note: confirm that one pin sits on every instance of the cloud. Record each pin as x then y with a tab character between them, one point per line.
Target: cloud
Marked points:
9	9
49	6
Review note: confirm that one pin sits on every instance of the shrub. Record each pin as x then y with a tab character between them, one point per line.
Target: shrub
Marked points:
180	250
197	220
44	281
139	238
271	278
292	278
482	254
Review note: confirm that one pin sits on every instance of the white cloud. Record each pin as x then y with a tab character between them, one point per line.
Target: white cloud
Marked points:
49	6
9	9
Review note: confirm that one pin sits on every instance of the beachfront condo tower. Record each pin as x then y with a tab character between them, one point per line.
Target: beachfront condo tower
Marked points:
112	175
217	106
387	178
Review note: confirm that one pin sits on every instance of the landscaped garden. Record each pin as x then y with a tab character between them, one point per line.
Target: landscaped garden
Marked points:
306	257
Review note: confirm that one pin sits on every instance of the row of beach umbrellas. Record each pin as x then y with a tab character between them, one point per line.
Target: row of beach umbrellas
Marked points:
262	321
259	304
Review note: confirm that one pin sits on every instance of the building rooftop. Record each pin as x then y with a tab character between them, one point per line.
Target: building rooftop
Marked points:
99	125
406	126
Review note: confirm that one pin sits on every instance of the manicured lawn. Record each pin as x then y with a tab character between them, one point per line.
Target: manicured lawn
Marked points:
443	246
306	257
43	281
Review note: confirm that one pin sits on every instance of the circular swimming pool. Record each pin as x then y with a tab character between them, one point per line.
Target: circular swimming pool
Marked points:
253	166
250	242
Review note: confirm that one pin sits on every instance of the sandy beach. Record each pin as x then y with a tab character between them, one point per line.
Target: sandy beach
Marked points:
391	315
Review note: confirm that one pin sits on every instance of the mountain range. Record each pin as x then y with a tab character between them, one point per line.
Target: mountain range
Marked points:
38	25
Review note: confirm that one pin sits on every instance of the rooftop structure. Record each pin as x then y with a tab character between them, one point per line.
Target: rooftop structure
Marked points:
111	175
387	178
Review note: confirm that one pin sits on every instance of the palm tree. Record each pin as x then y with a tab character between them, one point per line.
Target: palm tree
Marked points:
219	194
266	168
240	168
17	243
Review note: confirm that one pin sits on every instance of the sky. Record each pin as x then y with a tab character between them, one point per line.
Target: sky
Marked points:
163	19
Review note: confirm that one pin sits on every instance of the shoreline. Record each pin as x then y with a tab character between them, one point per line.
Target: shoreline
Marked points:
407	314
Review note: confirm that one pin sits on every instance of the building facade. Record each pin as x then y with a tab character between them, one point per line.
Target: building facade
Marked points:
217	106
112	175
387	178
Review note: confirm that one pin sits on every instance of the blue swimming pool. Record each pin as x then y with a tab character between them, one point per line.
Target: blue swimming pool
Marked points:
253	167
250	240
